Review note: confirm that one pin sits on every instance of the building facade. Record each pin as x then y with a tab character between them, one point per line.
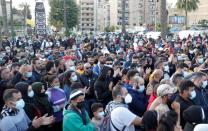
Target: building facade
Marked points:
200	14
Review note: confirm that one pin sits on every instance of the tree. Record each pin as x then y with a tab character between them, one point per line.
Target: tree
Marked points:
4	13
56	15
25	10
163	18
187	6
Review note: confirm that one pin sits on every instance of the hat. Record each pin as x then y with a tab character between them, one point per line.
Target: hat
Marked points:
76	94
165	89
193	114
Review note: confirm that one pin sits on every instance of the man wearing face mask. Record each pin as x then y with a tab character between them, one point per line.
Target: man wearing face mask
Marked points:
139	100
115	108
24	75
75	116
200	81
14	115
5	83
185	97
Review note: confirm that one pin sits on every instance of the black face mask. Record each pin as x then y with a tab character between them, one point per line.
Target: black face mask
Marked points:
80	105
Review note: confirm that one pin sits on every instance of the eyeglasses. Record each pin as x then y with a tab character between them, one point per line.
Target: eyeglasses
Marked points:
109	63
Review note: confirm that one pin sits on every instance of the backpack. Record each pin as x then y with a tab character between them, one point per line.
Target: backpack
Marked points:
106	124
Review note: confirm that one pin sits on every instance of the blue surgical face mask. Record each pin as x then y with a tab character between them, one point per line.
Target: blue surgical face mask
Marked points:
29	74
193	95
204	84
201	61
141	88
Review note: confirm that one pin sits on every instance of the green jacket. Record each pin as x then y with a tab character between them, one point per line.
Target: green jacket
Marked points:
73	122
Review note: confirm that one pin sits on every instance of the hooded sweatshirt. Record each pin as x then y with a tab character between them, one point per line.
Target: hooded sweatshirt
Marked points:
73	121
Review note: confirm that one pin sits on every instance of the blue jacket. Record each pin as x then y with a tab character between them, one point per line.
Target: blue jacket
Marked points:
139	102
128	86
36	77
96	69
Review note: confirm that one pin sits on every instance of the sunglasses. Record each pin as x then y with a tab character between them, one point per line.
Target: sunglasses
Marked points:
88	68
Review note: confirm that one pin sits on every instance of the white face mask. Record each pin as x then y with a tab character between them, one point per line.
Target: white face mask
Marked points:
72	68
74	78
204	84
128	99
30	94
166	68
101	114
57	86
111	66
20	103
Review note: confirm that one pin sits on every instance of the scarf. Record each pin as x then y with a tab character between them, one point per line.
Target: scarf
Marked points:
6	111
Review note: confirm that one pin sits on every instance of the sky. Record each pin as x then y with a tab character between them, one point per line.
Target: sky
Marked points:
16	4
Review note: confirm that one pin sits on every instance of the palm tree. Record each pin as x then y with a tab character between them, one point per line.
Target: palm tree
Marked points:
187	6
163	18
4	13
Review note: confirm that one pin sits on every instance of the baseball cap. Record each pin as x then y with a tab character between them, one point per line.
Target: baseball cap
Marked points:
165	89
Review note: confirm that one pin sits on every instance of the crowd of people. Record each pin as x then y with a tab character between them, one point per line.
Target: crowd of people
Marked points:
113	83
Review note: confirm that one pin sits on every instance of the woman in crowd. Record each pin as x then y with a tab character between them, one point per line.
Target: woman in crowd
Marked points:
57	98
104	85
28	104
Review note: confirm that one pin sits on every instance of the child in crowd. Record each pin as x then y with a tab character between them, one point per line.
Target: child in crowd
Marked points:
98	113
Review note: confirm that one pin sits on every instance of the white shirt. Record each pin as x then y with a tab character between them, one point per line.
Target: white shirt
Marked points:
121	117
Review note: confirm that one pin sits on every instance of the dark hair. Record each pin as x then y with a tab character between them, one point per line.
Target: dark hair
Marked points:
185	85
149	120
131	73
96	106
66	76
51	79
168	121
176	78
34	60
49	65
15	65
181	65
104	73
109	59
23	88
77	85
8	94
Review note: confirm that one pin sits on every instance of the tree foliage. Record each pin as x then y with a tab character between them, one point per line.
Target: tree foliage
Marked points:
56	16
187	6
25	10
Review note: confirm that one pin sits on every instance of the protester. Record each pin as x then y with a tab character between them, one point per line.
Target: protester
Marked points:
150	120
127	120
98	113
104	85
14	114
185	98
75	116
57	97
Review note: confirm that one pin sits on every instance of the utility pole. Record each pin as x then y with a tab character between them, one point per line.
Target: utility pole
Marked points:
155	15
123	16
11	19
65	15
4	14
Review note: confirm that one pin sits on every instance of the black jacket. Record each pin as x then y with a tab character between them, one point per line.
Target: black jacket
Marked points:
184	104
102	92
89	81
